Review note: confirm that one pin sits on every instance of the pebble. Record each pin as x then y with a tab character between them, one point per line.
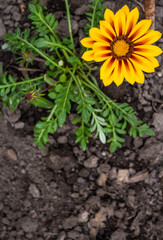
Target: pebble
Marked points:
19	125
61	236
12	154
34	191
70	222
62	139
29	225
91	162
83	217
82	10
101	181
113	173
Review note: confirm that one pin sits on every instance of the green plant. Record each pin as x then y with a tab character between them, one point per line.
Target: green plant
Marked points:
68	80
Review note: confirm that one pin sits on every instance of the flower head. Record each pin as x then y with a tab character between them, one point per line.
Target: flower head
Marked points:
124	45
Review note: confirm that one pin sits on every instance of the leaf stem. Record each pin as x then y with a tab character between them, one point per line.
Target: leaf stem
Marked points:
69	25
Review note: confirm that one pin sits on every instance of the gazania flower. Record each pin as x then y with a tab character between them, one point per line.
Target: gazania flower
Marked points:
124	45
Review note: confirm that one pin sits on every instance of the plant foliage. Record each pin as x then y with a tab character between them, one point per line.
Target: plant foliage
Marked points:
64	83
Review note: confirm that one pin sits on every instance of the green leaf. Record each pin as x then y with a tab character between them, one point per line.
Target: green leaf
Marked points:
58	88
62	78
42	102
52	95
62	117
74	60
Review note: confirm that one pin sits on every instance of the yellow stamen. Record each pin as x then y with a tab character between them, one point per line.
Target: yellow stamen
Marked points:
121	48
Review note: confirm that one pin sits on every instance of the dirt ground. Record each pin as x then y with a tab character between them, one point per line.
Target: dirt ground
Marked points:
63	193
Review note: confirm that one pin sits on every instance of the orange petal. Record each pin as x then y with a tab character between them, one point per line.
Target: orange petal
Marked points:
107	80
101	46
125	9
140	29
150	37
154	61
107	30
142	62
102	55
87	42
109	17
118	73
129	72
147	50
107	67
88	55
132	19
119	22
96	35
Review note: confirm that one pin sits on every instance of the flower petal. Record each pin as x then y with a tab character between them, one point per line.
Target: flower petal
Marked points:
154	61
118	73
107	80
107	30
87	42
96	35
109	17
128	71
142	62
88	55
101	46
119	22
132	19
102	55
139	75
140	29
107	67
150	37
147	50
125	9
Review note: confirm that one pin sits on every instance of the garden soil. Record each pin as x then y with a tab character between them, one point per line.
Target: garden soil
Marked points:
63	193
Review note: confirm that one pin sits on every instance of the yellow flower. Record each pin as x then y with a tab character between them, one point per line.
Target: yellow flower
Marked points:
124	45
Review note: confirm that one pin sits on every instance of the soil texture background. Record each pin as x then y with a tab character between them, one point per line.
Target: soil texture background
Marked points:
63	193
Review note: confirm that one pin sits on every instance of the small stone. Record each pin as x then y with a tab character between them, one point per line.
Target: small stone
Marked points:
83	217
91	162
101	181
82	10
104	167
61	236
5	221
113	173
70	222
12	154
138	142
123	175
29	225
19	125
73	234
34	191
62	139
157	122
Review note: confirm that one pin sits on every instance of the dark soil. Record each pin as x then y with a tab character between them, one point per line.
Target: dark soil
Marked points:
63	193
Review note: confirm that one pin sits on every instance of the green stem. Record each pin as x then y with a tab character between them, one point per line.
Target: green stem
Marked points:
105	98
94	13
69	25
48	119
61	46
21	83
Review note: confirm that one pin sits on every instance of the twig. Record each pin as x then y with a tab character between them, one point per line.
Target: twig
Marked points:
149	6
140	5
